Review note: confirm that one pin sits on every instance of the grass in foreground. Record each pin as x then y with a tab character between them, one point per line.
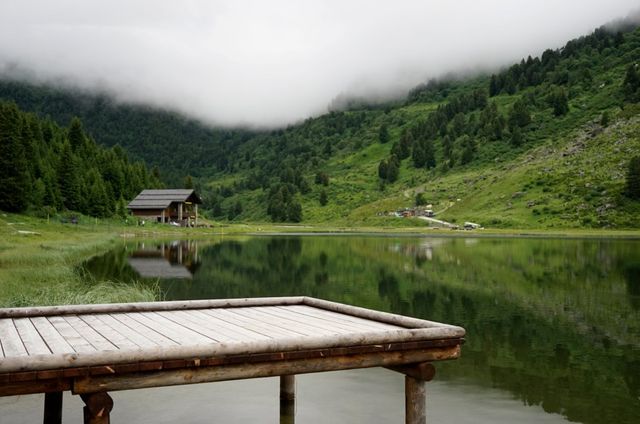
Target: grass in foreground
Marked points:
39	264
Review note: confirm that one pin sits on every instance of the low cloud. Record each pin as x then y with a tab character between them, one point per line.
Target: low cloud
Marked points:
259	63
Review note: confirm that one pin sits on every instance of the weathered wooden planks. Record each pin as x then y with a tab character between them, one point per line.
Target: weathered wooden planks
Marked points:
126	333
360	323
94	349
11	342
54	340
30	337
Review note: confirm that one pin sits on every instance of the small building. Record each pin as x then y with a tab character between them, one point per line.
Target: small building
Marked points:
171	205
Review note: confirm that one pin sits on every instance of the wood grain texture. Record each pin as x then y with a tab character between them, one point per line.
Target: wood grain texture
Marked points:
53	339
30	337
11	342
91	335
415	401
109	335
256	370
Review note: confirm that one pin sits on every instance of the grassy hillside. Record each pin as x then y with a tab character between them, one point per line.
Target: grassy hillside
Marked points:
569	170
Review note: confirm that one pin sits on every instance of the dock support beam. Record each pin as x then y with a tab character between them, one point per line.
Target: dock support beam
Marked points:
287	399
52	408
415	401
414	390
97	408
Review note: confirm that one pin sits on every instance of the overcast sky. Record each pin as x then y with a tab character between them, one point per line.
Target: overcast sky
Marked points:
278	61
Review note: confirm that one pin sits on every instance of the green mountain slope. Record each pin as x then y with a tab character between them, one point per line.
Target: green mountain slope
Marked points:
568	170
543	143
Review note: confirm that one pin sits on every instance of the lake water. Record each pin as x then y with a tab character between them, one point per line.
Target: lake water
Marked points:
553	326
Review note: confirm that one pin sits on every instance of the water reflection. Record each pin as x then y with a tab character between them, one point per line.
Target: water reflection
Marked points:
177	259
556	323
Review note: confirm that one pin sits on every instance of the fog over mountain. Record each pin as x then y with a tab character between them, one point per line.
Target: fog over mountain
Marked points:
257	63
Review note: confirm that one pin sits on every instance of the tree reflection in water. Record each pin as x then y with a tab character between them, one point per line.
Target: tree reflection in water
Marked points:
554	322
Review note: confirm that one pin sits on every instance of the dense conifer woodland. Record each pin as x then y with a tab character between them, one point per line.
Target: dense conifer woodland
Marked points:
46	168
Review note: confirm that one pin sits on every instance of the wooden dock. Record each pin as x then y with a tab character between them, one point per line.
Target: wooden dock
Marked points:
94	349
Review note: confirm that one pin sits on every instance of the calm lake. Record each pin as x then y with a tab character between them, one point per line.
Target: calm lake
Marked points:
553	326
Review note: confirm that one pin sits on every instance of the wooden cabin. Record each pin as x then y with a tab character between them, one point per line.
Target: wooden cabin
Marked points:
171	205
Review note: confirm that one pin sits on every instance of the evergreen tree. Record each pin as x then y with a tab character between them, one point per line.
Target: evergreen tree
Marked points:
519	115
155	174
447	148
429	154
418	155
279	198
494	86
76	134
631	85
633	179
383	134
121	209
393	168
458	124
558	100
516	137
323	199
322	178
99	205
38	194
327	150
382	169
216	210
510	84
188	182
402	149
294	211
68	179
492	122
14	179
235	211
468	150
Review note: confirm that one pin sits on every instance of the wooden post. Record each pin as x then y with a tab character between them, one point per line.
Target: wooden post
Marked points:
415	401
52	408
416	375
180	213
287	399
196	223
162	214
97	408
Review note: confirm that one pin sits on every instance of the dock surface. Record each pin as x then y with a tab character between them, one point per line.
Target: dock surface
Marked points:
92	349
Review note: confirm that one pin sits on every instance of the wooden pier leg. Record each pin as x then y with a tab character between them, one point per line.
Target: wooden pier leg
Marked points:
416	375
52	408
97	408
287	399
415	401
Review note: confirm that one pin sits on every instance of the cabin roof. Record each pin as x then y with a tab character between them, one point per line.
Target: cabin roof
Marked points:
161	199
